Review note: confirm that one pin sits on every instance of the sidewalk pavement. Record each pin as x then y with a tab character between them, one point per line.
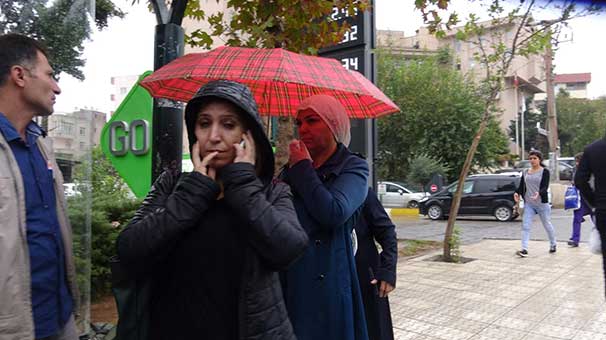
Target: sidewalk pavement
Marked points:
501	296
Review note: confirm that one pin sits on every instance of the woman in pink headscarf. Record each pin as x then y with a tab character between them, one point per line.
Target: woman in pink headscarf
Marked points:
329	184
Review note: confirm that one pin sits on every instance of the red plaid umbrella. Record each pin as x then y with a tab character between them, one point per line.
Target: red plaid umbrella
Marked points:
279	80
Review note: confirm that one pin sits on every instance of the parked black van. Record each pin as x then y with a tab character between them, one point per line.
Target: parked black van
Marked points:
482	195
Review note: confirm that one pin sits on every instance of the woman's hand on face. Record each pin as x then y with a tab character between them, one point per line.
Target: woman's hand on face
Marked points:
297	152
245	153
201	165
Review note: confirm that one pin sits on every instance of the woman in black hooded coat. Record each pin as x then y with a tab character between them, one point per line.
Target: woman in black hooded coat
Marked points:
214	238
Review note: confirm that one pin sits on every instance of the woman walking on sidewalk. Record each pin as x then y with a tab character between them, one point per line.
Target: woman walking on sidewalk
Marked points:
533	188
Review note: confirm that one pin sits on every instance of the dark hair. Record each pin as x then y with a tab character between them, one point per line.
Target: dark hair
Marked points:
536	153
578	156
17	49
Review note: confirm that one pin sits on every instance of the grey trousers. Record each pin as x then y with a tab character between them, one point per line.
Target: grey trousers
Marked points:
69	332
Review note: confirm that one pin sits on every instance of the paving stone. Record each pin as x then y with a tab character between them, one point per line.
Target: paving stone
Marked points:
500	296
502	333
586	335
554	331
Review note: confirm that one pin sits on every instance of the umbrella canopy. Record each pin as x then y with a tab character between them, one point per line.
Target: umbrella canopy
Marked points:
279	80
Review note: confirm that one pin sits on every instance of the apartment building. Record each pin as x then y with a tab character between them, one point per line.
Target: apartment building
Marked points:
120	85
74	134
573	83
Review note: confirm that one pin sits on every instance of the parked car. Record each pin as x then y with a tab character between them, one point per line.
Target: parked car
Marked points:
568	160
564	167
396	195
490	194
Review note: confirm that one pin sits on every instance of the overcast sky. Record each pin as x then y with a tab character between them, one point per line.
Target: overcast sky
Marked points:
126	48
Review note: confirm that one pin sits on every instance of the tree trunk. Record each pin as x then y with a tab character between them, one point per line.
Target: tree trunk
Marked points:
456	199
285	135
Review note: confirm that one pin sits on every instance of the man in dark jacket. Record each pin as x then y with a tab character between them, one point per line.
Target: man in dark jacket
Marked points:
594	163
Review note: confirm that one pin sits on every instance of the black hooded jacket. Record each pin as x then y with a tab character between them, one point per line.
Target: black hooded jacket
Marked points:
248	235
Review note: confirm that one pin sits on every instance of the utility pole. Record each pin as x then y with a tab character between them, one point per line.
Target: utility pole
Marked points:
552	121
522	138
167	127
517	108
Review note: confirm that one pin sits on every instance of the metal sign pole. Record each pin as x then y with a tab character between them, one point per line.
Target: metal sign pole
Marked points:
167	140
355	53
167	136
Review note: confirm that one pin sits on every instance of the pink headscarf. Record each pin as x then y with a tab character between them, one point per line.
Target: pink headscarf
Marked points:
332	113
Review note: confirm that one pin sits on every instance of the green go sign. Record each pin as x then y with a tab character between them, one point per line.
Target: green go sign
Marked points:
126	139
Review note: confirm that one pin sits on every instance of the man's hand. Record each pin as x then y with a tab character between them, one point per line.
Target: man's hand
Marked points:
516	197
297	152
201	166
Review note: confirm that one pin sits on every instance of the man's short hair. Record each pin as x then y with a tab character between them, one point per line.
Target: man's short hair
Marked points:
17	49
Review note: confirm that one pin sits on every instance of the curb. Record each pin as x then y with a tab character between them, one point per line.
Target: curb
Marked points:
402	212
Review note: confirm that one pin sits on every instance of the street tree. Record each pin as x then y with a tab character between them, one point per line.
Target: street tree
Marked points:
61	25
300	26
101	202
580	122
422	168
508	34
440	109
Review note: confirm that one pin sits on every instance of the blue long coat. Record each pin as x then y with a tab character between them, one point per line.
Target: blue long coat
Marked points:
321	288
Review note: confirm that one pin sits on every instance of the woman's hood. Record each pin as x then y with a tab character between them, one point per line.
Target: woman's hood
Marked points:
239	95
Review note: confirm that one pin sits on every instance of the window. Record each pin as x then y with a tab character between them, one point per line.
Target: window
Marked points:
65	128
82	131
392	188
486	185
507	185
123	90
467	187
82	146
576	86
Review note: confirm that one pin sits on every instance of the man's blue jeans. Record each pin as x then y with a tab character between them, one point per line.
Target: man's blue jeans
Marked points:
544	212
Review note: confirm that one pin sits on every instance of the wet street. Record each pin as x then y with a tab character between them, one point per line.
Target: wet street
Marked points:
474	229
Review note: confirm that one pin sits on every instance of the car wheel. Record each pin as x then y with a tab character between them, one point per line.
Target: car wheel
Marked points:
435	212
413	204
503	213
